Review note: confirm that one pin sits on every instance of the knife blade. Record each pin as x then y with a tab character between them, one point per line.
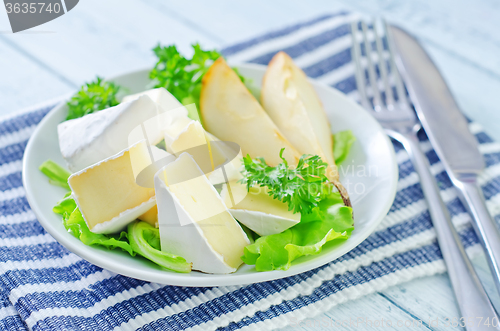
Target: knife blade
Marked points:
448	132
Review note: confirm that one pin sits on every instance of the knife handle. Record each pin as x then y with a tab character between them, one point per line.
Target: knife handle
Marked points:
472	197
471	296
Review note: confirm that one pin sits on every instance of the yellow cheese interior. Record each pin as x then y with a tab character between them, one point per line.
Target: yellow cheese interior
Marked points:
192	136
194	140
139	158
177	127
257	199
108	188
203	204
151	216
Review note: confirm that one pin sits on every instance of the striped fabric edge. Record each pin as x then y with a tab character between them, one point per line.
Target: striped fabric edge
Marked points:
377	285
425	237
276	34
273	44
48	287
234	316
490	149
50	103
332	22
9	317
240	318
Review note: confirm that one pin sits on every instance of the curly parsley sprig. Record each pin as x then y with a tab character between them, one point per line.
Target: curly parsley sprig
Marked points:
182	76
301	188
94	96
179	75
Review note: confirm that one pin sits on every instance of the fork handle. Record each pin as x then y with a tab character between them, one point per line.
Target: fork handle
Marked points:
487	231
471	296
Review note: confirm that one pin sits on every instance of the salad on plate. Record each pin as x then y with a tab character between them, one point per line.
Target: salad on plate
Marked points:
203	171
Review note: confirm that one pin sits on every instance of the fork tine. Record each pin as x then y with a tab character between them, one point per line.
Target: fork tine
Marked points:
382	65
377	97
403	100
359	71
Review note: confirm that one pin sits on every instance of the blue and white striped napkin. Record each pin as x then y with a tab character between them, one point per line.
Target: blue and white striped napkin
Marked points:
45	287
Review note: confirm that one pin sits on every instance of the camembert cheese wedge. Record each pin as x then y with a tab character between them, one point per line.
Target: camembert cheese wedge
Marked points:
257	210
220	161
159	95
94	137
169	109
107	193
194	221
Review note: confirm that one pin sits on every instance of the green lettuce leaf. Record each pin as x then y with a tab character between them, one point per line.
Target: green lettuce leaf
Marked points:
57	174
342	142
329	221
140	237
75	224
145	240
65	207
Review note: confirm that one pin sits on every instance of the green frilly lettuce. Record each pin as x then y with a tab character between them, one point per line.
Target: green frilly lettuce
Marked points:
140	237
57	174
342	142
330	221
75	224
145	240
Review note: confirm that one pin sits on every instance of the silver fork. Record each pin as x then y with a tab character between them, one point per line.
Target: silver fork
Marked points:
400	122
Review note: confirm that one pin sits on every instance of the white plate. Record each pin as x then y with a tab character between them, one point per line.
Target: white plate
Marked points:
370	175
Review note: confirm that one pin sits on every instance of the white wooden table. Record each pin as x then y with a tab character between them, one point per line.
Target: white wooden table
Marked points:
462	37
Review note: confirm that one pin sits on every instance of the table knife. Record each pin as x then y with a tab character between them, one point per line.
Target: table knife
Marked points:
448	132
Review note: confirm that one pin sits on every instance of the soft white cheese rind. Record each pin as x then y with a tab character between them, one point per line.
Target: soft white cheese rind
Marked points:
120	221
262	223
169	109
259	221
159	95
188	240
190	134
180	234
87	140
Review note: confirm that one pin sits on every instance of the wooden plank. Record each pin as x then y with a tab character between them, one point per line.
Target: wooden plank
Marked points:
429	298
4	22
105	38
90	41
457	26
234	21
106	47
459	36
476	91
432	298
368	313
24	82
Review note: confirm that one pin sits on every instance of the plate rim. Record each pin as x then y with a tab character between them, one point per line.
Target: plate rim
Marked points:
177	279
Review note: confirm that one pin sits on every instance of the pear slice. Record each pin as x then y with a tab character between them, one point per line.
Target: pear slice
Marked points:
292	103
230	112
